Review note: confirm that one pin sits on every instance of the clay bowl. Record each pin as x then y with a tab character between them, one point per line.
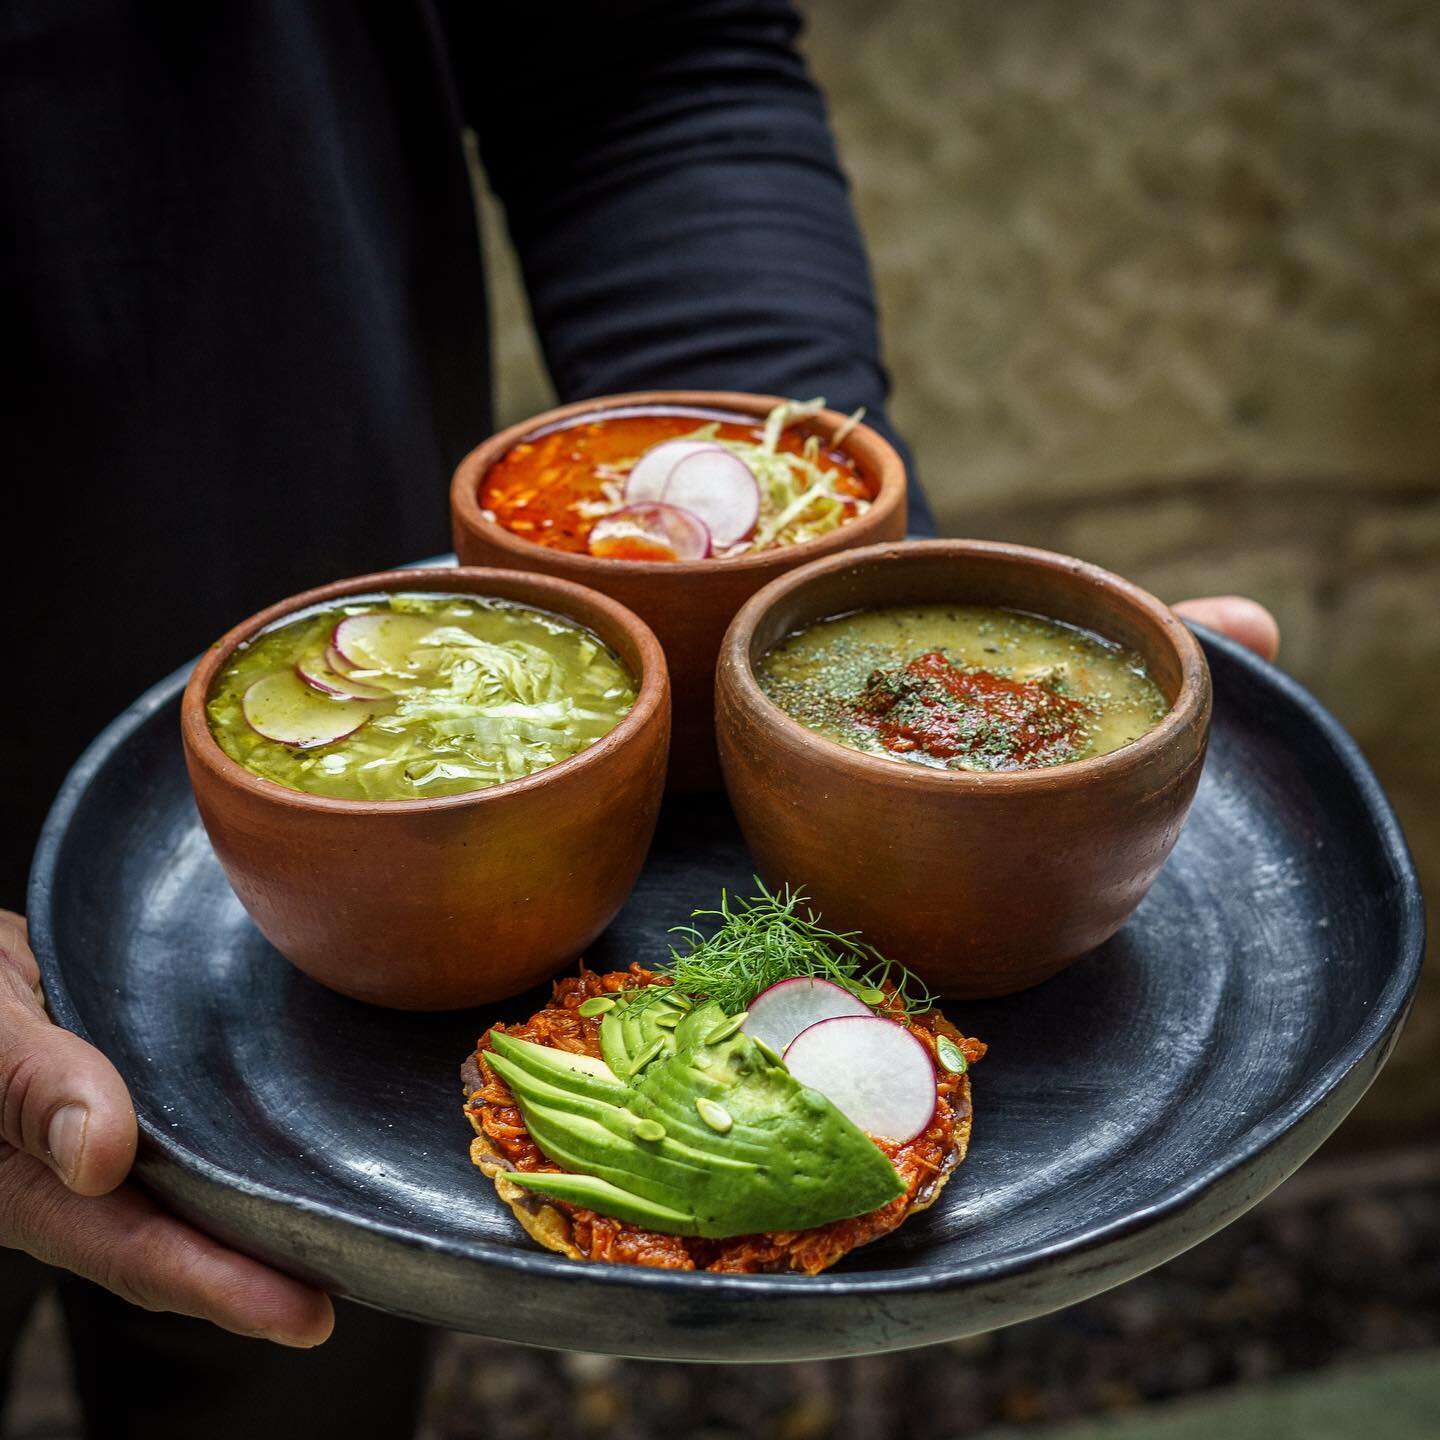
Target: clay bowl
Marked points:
687	604
434	904
982	883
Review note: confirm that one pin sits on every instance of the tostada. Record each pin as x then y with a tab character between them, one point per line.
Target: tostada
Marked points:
767	1101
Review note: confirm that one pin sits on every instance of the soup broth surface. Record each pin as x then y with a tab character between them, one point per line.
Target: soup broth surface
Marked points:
965	687
438	695
553	487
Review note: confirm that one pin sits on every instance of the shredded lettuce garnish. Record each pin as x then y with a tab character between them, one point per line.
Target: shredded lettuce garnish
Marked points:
485	711
801	496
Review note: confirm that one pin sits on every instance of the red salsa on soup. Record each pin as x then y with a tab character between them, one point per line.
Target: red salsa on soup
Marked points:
676	484
963	687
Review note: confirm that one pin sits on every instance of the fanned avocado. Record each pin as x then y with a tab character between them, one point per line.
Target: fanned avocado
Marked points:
705	1136
631	1031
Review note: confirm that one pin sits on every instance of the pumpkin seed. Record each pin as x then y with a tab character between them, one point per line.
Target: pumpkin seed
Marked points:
769	1052
717	1117
649	1130
951	1056
870	995
595	1005
647	1054
726	1028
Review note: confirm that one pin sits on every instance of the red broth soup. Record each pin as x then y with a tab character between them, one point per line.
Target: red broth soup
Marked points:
673	484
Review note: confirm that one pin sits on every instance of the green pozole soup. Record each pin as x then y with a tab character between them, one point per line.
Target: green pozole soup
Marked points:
404	697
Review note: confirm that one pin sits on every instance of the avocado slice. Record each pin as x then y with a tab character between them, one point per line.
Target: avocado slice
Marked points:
636	1025
562	1080
537	1091
607	1199
577	1073
587	1148
772	1155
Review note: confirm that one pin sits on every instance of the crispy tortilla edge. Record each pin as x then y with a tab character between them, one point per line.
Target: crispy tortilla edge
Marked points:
542	1222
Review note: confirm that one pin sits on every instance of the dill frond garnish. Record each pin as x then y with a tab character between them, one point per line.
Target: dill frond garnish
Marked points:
774	937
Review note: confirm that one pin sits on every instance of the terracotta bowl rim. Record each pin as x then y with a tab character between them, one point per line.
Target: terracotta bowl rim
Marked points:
882	457
1190	708
543	592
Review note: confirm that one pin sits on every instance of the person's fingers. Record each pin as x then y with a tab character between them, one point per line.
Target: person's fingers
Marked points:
1246	621
15	947
64	1106
127	1244
61	1100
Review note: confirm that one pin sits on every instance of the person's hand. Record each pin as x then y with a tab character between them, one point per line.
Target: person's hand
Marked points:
1242	620
67	1140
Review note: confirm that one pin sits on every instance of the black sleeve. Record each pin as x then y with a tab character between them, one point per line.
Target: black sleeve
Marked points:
673	190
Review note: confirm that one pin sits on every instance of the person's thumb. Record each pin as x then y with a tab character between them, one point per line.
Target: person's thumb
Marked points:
61	1100
1244	620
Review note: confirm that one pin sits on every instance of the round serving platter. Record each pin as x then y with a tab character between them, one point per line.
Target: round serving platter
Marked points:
1127	1109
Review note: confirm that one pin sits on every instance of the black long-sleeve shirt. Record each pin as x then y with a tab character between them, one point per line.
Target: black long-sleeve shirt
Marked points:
243	305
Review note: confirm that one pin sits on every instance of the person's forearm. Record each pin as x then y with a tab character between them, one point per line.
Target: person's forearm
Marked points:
680	214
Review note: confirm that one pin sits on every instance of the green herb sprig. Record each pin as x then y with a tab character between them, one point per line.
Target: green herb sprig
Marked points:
776	936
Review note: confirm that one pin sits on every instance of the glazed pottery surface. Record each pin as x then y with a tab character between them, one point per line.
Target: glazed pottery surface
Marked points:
982	883
430	904
688	604
1126	1109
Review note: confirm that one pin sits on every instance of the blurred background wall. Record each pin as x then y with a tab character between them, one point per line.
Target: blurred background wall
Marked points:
1161	288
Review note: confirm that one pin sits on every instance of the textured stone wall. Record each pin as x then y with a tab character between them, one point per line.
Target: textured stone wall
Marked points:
1161	288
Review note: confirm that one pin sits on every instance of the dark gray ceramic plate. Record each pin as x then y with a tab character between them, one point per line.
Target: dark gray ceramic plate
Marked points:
1127	1109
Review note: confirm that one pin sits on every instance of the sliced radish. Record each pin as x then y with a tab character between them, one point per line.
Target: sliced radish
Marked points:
874	1071
779	1014
381	640
335	661
282	707
648	475
319	676
721	489
650	532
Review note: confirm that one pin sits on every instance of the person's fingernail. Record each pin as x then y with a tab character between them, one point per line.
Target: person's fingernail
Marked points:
288	1338
66	1139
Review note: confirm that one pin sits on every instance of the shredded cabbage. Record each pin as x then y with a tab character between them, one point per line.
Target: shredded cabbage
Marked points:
801	496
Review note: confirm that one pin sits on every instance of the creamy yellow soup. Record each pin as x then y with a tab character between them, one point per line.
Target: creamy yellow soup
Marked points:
966	687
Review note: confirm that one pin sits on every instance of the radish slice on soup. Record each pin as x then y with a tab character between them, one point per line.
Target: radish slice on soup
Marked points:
381	640
779	1014
874	1071
318	675
282	707
652	531
648	475
721	489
